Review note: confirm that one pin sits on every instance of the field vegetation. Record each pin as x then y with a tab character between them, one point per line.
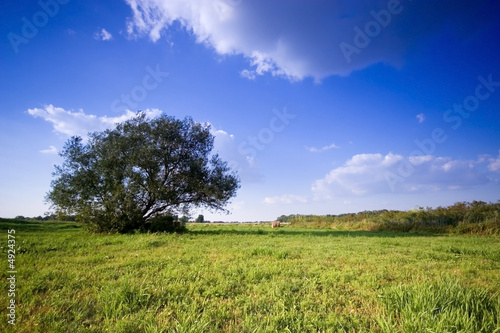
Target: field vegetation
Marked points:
477	217
250	278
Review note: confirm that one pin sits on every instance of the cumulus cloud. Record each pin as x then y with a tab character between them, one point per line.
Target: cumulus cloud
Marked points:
103	35
285	199
50	150
366	174
494	163
70	123
322	149
309	38
251	75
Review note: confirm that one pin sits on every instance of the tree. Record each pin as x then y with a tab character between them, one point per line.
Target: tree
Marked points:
200	219
139	174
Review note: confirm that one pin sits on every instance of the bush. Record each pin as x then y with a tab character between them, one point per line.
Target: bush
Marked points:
477	217
167	223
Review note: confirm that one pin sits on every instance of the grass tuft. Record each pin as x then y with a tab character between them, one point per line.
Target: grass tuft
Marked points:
445	306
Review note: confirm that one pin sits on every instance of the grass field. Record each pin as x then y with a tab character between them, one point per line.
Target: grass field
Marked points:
236	278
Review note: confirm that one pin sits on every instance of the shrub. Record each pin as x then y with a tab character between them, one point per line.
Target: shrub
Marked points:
477	217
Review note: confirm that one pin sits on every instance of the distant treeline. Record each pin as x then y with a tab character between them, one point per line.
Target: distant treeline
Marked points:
48	217
477	217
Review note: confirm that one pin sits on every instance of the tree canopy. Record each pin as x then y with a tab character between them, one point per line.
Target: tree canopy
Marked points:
141	173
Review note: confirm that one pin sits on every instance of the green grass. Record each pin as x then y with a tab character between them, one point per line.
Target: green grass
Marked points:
250	279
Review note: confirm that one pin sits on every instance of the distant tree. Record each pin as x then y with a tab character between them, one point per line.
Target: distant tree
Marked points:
283	218
184	219
143	170
200	219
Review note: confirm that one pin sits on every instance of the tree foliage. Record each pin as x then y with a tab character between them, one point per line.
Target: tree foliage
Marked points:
138	175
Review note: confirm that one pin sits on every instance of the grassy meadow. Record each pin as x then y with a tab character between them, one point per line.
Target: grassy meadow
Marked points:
250	278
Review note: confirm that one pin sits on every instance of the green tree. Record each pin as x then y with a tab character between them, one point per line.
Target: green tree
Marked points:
200	219
141	173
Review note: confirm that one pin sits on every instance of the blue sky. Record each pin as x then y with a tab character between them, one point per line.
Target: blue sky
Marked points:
323	107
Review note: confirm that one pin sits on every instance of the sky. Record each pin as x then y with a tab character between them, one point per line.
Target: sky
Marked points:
322	107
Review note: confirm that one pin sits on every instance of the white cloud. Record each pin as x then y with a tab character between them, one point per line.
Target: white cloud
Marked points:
366	174
494	163
285	199
50	150
103	35
319	150
79	123
420	117
251	75
303	38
